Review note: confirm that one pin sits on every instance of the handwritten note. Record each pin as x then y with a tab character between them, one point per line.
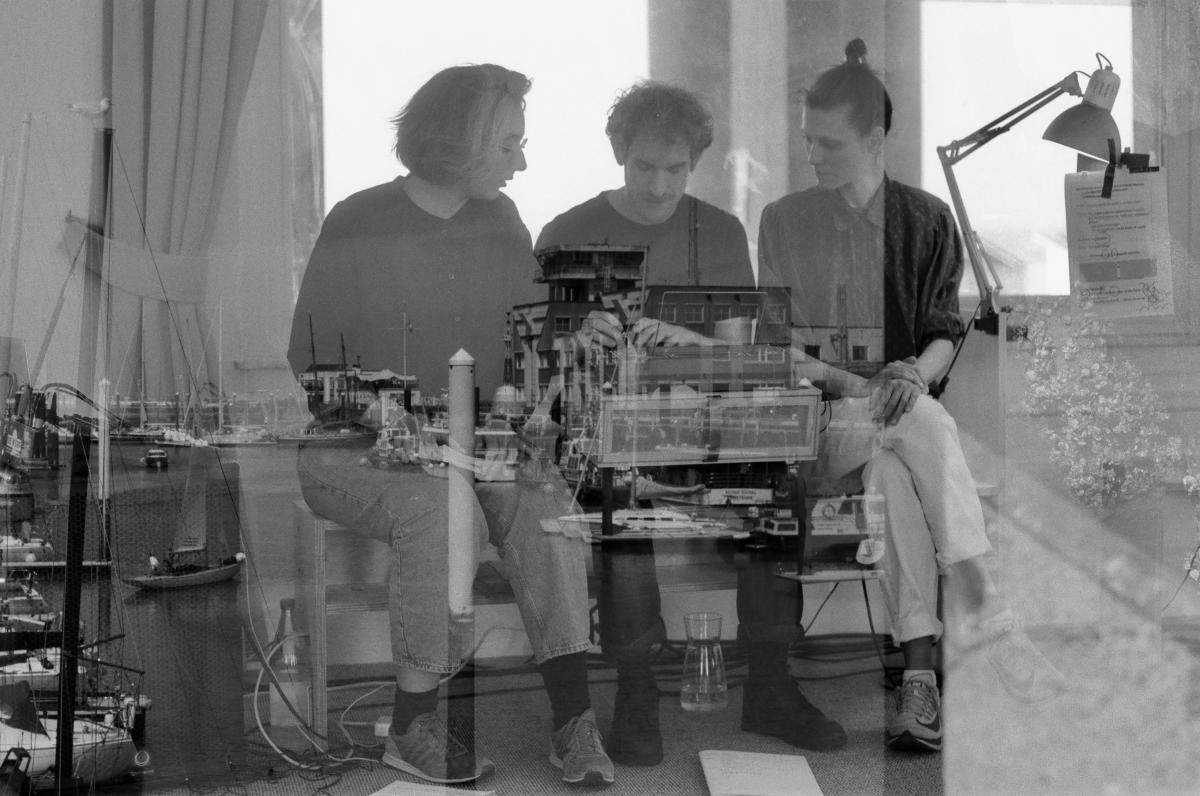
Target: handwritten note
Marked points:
1119	248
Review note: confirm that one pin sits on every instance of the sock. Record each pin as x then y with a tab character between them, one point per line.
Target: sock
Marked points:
410	704
566	681
928	675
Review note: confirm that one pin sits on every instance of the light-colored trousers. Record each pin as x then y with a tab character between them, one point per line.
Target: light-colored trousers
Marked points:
408	508
934	518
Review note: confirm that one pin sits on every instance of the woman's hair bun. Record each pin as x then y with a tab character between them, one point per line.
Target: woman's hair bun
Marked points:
856	52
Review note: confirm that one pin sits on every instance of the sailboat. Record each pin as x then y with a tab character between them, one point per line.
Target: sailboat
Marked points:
333	422
102	752
189	562
16	493
87	736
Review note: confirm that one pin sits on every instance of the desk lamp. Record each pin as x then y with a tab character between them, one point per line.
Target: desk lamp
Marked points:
1087	127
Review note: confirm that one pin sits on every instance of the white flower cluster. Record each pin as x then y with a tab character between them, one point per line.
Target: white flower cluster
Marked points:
1192	563
1105	425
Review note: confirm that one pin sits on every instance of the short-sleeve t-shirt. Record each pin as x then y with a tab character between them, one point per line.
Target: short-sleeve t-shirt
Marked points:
381	260
715	237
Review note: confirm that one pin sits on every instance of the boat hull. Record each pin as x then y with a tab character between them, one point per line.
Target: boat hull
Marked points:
102	753
185	580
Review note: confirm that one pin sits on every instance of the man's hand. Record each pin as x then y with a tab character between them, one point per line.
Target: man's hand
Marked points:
647	333
599	327
903	369
605	329
895	389
892	399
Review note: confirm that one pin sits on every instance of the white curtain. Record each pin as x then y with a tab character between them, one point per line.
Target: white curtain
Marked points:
180	71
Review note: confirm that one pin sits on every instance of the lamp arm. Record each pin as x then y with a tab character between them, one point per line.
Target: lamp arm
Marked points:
985	275
950	154
959	149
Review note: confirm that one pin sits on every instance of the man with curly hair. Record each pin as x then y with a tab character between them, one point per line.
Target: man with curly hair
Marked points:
658	132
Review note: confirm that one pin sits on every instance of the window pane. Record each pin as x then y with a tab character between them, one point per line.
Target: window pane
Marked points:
981	59
376	53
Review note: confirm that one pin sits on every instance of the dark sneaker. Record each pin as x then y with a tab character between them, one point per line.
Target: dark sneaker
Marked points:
579	751
635	738
427	750
780	710
917	725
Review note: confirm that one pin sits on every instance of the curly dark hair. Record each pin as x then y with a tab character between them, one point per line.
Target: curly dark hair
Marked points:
664	111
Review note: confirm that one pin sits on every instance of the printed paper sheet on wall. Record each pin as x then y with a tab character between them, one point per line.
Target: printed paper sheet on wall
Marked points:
1119	248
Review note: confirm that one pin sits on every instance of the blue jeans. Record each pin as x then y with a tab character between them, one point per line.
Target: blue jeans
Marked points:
407	507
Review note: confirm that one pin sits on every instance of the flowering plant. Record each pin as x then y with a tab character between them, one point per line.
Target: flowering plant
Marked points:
1192	564
1105	425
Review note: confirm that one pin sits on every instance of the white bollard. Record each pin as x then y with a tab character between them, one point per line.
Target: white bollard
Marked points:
461	478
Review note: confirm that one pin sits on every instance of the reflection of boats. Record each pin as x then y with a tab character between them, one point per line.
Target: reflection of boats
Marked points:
332	433
423	437
175	574
101	751
241	436
497	451
22	607
399	441
156	459
29	435
16	508
189	562
16	495
107	719
137	434
30	626
178	438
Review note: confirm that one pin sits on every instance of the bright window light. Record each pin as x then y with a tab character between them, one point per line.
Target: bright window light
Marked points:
978	60
376	53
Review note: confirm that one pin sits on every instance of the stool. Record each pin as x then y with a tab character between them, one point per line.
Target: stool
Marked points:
349	581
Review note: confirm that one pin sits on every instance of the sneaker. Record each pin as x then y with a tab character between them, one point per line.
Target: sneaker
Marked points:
428	750
1025	673
779	709
578	750
635	738
917	725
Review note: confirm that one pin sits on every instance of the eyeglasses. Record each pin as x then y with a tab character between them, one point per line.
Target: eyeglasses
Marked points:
510	147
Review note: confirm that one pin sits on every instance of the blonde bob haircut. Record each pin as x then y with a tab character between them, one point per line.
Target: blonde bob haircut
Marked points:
452	120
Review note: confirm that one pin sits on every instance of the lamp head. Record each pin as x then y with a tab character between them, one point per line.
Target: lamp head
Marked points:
1088	126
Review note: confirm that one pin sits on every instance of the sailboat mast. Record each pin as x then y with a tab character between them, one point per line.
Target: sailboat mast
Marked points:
12	224
312	344
104	454
220	375
141	342
345	380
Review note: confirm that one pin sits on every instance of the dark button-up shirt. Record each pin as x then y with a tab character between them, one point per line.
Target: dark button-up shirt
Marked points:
899	260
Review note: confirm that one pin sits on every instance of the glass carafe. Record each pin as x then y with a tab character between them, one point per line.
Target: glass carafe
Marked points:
703	687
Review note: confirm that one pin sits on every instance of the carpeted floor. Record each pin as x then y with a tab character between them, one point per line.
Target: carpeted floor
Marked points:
842	675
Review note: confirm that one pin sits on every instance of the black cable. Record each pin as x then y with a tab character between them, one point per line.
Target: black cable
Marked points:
1182	581
836	583
962	340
